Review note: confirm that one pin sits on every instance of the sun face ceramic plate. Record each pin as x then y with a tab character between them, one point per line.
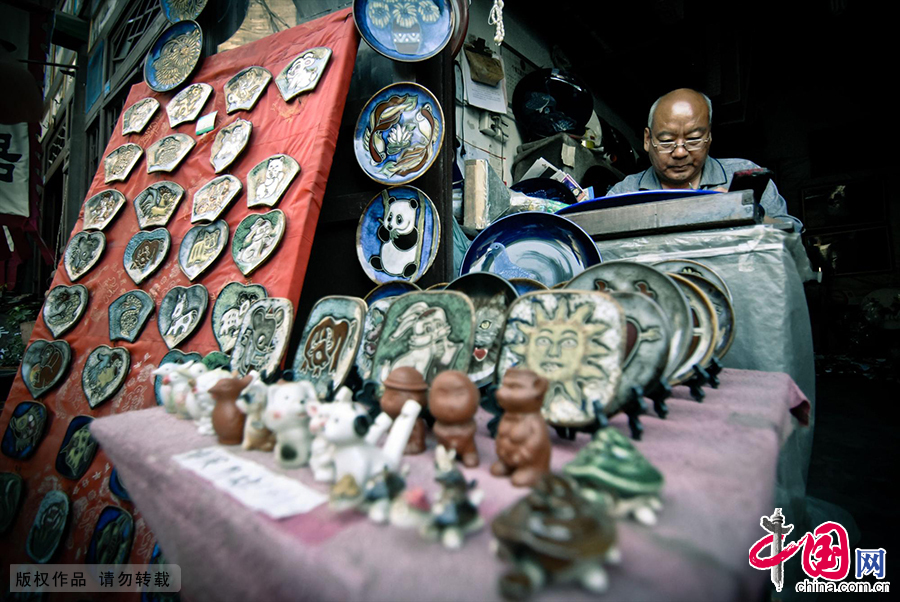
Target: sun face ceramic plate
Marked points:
102	208
145	252
181	10
215	197
303	73
180	313
229	310
431	331
329	342
491	296
104	373
244	89
689	267
156	204
391	288
187	104
398	235
399	132
166	154
138	115
639	278
128	315
174	56
264	336
269	179
111	541
229	143
405	31
48	527
24	432
64	307
174	356
83	253
724	312
77	450
11	489
201	246
373	326
705	328
256	238
44	364
119	163
533	245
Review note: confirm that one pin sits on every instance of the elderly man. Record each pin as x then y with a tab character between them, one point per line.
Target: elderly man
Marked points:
677	138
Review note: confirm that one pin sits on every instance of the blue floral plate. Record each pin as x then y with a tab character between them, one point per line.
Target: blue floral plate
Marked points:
174	56
405	30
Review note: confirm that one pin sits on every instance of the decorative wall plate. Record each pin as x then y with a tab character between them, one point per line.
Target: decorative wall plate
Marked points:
11	489
187	104
534	245
303	73
392	288
373	326
398	235
264	336
491	295
138	115
174	56
119	163
77	450
244	89
639	278
180	312
574	339
217	359
111	541
117	487
214	197
705	327
201	246
181	10
44	364
83	253
230	141
724	312
256	238
431	331
104	372
398	134
167	153
175	356
64	307
156	204
403	31
128	315
26	428
527	285
329	342
145	252
102	208
229	310
688	266
269	179
48	527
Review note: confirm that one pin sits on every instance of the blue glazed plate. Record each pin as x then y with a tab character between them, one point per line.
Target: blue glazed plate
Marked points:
179	10
398	134
405	30
174	56
540	246
394	288
632	198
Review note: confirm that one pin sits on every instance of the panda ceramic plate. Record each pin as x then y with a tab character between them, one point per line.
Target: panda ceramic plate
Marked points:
398	235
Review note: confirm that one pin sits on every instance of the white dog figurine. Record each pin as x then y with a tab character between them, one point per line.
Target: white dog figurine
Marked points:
286	416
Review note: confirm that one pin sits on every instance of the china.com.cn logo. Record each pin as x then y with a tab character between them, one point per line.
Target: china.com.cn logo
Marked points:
826	555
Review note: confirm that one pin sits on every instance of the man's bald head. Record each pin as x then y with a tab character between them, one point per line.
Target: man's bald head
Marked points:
677	137
680	95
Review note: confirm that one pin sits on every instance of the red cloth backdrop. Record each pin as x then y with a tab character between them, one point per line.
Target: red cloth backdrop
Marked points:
305	128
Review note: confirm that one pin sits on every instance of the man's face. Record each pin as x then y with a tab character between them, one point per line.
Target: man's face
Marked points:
679	121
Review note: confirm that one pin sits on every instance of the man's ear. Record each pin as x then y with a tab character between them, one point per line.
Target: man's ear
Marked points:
646	140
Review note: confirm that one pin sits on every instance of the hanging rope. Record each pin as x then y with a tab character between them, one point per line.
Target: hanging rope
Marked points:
496	18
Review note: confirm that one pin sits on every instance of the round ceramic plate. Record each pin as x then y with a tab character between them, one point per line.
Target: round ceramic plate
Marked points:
179	10
534	245
705	328
688	266
639	278
394	288
724	312
398	235
405	31
173	57
398	134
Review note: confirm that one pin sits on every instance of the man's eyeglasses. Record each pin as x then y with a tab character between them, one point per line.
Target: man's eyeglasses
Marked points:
690	145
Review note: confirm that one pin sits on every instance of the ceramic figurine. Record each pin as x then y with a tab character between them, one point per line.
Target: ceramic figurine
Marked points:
156	204
553	535
43	365
229	143
454	513
403	384
177	385
119	163
523	444
83	253
169	362
380	493
303	73
256	238
200	405
166	154
227	420
269	179
64	307
104	373
453	401
244	89
102	208
137	116
252	402
610	470
286	416
321	458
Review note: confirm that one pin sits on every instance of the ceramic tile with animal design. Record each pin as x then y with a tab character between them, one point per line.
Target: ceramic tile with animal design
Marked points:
137	116
302	74
119	163
180	313
44	364
83	253
244	89
214	197
229	310
187	104
264	336
166	154
156	204
268	180
77	449
25	430
64	307
104	373
229	143
256	238
201	246
145	253
102	208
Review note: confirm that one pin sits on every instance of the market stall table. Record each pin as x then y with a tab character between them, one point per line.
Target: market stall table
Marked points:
718	458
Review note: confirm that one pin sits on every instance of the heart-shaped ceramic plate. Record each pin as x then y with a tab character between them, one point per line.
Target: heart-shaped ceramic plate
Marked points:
64	307
44	364
104	372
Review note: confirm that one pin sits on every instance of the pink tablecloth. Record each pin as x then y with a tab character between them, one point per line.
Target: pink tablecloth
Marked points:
718	457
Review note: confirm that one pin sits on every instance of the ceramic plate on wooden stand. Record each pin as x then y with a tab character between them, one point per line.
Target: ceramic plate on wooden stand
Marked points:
705	327
688	266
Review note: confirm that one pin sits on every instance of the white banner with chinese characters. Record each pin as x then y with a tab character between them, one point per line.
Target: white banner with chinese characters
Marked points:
14	169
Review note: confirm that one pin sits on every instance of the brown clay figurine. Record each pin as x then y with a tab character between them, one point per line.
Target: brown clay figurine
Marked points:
227	419
523	444
453	402
402	384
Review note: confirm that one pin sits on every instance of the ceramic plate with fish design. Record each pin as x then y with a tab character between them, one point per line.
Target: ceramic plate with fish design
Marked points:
229	310
180	313
104	373
405	31
156	204
264	336
138	115
24	432
43	365
201	246
174	56
102	208
119	163
83	253
48	527
229	143
187	104
268	180
329	342
64	307
214	197
128	315
166	154
77	450
256	238
303	73
145	252
244	89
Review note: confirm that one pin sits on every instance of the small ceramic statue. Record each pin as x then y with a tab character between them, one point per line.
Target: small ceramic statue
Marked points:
523	443
402	384
228	421
177	387
321	458
166	396
455	512
252	402
554	535
200	405
453	401
286	416
375	499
